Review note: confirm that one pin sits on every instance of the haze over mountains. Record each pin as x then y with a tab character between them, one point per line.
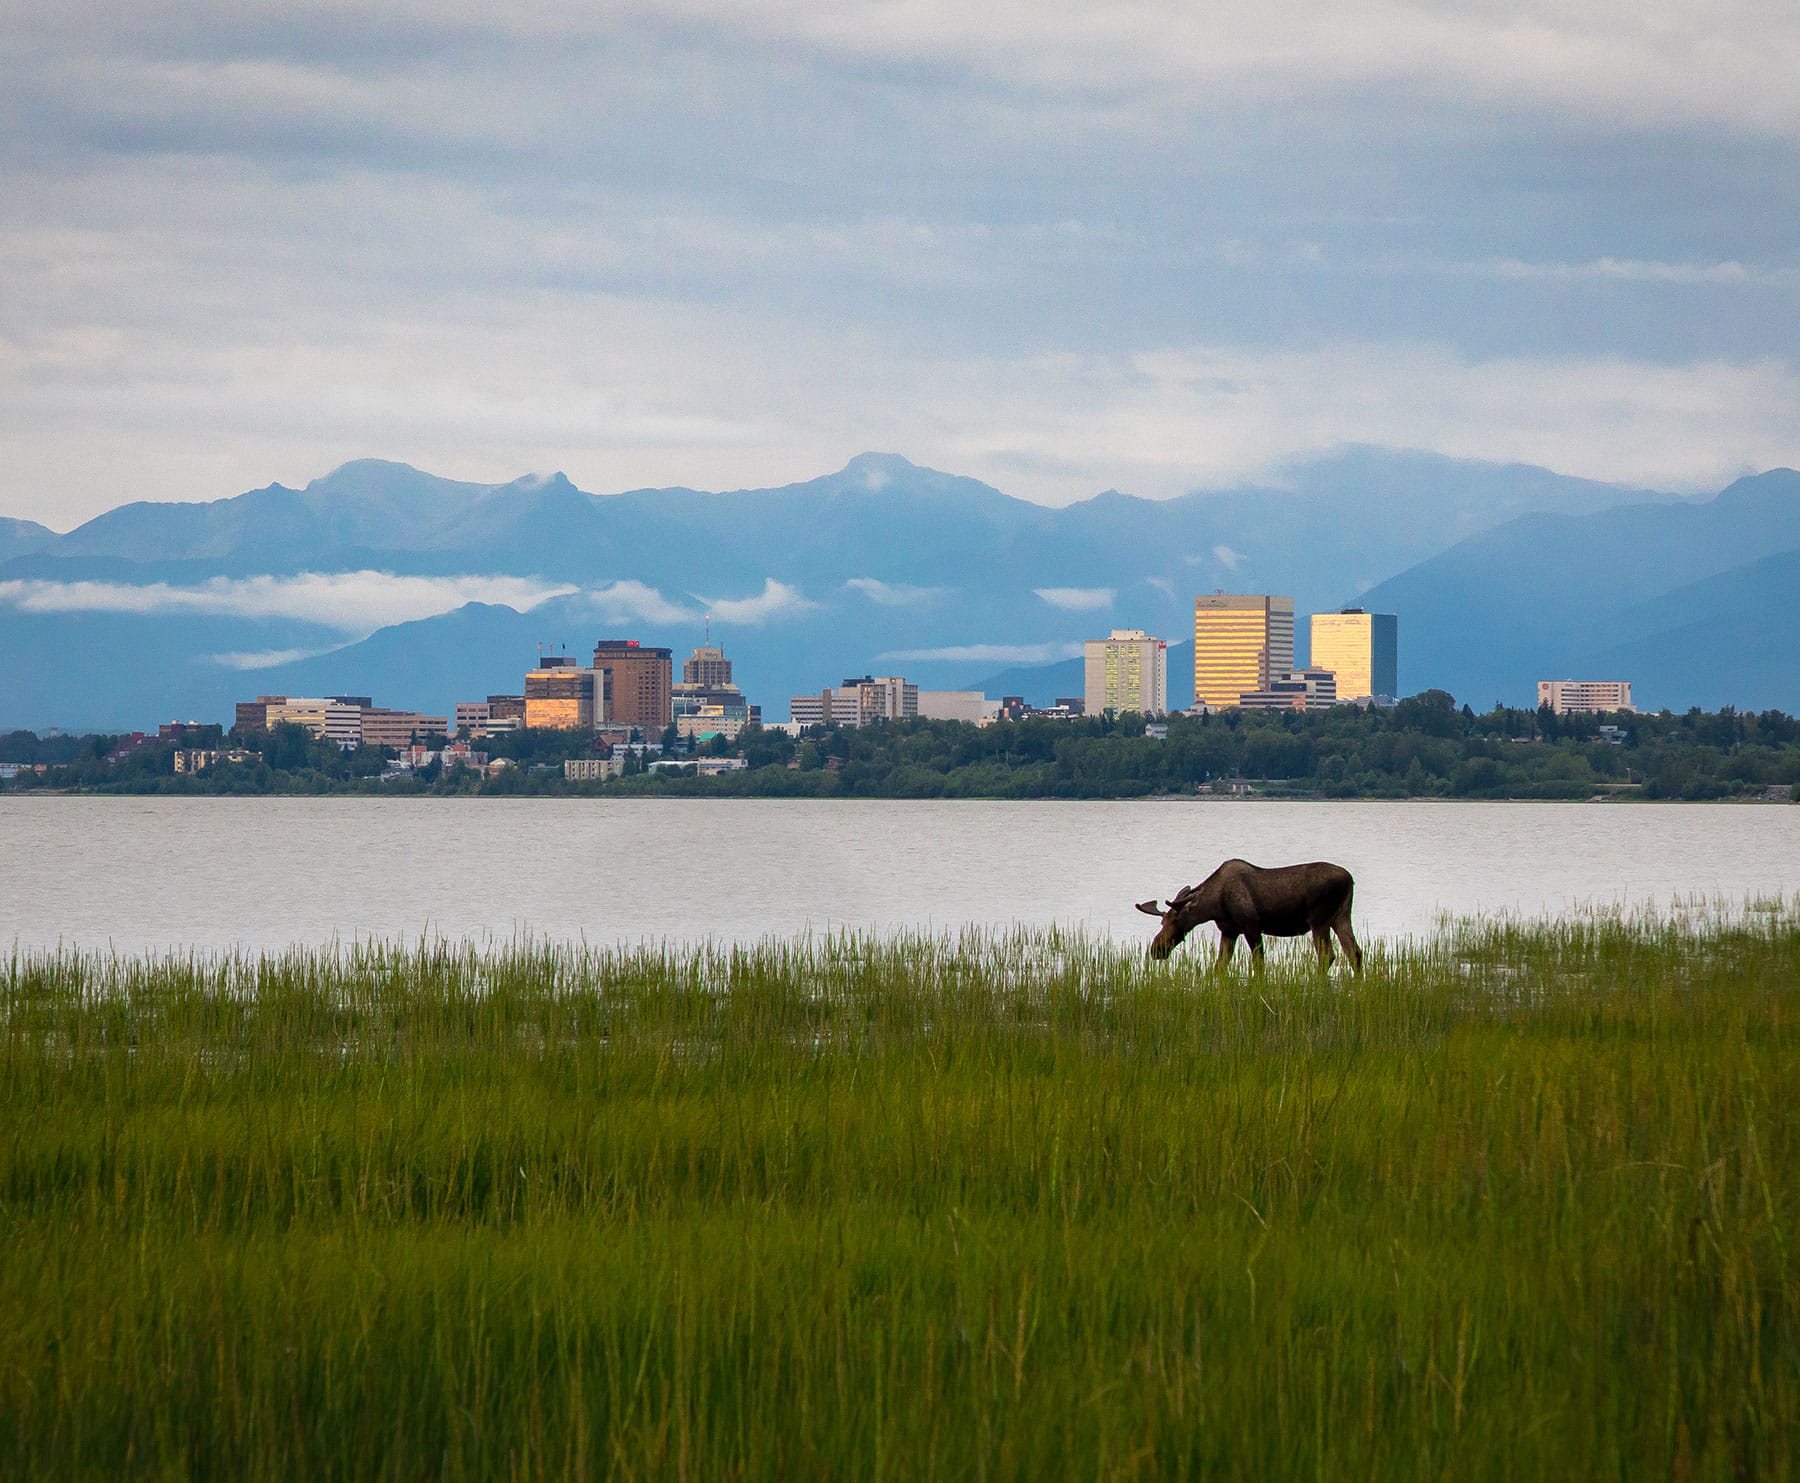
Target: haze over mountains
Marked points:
380	579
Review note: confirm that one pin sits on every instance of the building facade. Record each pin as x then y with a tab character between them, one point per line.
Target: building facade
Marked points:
857	702
884	698
706	666
198	759
1293	690
957	705
639	677
561	696
385	728
711	720
1361	649
253	715
1563	696
593	769
1241	641
335	718
1128	671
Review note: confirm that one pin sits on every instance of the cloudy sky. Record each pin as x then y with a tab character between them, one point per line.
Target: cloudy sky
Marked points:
1059	246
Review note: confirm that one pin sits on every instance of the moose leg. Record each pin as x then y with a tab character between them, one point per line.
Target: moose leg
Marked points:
1348	938
1227	941
1256	952
1322	946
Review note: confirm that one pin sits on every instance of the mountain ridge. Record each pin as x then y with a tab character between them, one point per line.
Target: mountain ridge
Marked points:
1502	574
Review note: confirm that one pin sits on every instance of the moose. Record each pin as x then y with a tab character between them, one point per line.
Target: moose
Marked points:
1250	902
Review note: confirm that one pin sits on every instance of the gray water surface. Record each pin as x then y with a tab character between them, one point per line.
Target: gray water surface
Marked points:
259	873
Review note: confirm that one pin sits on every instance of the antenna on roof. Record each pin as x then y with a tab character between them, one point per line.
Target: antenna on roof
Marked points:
709	630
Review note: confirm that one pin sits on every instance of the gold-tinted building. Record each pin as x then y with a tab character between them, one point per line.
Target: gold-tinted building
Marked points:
561	697
1361	649
1241	640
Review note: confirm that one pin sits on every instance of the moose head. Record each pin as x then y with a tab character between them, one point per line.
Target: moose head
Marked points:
1179	918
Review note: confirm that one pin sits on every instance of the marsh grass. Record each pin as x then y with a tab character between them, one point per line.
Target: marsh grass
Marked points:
1520	1202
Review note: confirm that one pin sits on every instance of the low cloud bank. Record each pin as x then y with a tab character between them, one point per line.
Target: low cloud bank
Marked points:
350	602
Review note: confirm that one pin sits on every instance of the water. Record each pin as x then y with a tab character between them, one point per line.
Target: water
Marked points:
153	873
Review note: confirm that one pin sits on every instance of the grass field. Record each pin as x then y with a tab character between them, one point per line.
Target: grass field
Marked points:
1521	1202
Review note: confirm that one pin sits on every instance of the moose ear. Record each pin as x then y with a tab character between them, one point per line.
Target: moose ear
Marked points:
1150	908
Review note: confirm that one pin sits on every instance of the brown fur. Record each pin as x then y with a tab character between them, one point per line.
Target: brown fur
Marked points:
1253	903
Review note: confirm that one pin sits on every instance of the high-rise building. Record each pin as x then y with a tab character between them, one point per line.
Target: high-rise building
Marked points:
1127	672
884	698
1563	696
638	681
1241	641
706	702
706	666
561	696
1361	649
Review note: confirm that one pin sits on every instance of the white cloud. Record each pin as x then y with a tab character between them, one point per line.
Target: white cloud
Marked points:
1725	274
894	594
989	653
351	602
1228	558
631	601
1076	599
1161	423
1660	60
265	658
323	237
776	600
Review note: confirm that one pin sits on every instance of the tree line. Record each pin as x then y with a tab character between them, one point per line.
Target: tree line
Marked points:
1425	747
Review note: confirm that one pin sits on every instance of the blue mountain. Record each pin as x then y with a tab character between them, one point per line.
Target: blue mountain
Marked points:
1502	574
1547	595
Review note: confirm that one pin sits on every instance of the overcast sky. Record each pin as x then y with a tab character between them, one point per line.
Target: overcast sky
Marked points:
1058	246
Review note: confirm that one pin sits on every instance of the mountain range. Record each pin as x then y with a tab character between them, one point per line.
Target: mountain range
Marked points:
381	579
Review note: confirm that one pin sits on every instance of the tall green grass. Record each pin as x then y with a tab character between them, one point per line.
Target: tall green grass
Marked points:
1520	1202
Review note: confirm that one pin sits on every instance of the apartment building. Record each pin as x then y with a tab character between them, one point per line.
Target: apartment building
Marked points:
1564	696
1128	671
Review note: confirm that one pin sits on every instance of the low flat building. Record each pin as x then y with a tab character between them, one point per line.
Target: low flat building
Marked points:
1293	690
198	759
593	769
327	717
386	728
957	705
711	720
711	767
857	702
1586	696
253	715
